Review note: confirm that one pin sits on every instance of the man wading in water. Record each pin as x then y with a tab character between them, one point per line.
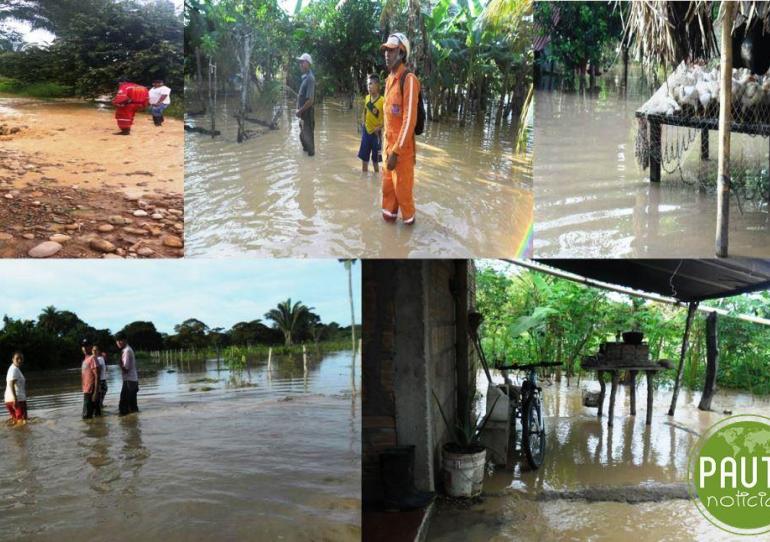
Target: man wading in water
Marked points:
130	388
402	91
305	100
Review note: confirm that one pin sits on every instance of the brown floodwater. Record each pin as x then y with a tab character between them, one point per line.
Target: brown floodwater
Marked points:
582	454
265	197
261	455
592	200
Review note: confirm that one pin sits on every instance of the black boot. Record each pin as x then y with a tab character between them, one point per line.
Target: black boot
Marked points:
397	472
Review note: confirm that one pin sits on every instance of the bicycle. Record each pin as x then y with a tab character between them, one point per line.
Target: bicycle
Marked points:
528	408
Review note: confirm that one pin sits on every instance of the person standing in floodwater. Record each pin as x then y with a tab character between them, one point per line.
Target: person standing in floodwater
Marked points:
16	390
371	131
130	388
402	91
99	355
89	379
305	100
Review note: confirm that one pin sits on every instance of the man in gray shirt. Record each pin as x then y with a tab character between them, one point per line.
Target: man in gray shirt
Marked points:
130	388
305	101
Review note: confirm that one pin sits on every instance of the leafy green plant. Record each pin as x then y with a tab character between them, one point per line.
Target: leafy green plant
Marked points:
466	431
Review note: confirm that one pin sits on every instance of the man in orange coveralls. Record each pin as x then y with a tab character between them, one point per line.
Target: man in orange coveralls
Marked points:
129	99
400	118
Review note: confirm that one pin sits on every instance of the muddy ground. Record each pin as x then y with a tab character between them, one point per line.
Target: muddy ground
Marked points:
70	187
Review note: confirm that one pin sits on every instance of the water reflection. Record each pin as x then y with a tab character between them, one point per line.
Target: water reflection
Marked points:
592	200
584	454
274	452
265	197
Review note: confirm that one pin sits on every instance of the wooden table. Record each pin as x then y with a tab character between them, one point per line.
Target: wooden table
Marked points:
648	369
703	124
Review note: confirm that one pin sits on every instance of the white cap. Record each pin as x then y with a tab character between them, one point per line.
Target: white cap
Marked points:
306	57
395	41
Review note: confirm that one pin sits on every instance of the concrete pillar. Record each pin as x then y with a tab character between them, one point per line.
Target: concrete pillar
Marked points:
412	386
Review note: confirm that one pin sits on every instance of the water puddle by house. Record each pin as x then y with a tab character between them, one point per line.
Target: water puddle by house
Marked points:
598	482
266	198
211	455
592	200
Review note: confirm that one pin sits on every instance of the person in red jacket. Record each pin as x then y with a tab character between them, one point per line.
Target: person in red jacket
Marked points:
129	99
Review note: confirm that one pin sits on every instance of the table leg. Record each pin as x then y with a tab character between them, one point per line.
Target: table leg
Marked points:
649	397
704	144
602	391
613	389
655	151
633	393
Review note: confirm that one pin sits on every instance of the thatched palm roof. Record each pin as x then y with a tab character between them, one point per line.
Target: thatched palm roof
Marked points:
669	32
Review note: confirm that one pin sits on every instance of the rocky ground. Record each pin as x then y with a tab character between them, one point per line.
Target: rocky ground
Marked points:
70	207
43	218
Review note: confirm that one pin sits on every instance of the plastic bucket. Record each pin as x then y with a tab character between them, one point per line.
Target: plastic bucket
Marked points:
463	472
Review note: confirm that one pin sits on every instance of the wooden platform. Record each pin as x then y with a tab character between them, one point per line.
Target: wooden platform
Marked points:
704	124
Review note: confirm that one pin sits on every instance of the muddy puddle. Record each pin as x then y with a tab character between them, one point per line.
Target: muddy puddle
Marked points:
67	178
592	200
599	483
266	198
273	453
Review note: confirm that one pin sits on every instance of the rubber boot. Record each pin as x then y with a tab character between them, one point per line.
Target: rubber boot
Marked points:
397	472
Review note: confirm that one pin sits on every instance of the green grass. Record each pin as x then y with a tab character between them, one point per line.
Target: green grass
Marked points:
35	90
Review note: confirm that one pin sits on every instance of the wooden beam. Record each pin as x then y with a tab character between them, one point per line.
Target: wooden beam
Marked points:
683	353
535	266
712	362
725	119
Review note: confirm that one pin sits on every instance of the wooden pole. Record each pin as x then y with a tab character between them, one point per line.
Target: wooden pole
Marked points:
633	393
602	392
269	359
655	151
712	362
683	353
725	121
613	389
649	374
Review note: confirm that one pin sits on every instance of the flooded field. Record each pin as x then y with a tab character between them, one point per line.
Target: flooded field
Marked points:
592	200
275	453
591	471
67	178
266	198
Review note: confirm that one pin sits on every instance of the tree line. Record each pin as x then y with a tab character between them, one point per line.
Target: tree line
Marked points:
53	339
95	42
533	317
472	56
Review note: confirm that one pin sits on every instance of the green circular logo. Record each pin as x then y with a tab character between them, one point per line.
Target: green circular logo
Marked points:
729	473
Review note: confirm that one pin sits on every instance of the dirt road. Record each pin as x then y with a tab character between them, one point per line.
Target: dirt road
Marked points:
71	187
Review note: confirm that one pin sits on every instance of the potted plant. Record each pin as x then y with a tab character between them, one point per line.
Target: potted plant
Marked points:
463	458
633	324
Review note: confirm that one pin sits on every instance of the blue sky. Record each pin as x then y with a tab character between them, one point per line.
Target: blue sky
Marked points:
112	293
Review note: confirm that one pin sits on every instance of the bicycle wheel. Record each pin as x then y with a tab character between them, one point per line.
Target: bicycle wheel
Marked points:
533	433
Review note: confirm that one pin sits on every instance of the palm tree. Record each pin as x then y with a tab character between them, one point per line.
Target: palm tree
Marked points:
286	316
49	319
349	267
